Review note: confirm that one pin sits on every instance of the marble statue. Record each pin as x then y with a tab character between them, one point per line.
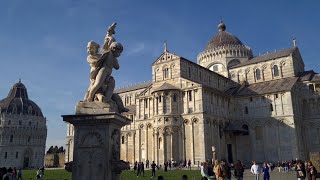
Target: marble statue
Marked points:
102	84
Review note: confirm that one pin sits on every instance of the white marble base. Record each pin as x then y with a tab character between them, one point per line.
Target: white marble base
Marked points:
97	146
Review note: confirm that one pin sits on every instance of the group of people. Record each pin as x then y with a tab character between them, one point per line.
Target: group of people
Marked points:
221	170
10	173
305	170
139	167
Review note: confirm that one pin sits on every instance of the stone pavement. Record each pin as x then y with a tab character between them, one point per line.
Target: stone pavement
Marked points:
274	175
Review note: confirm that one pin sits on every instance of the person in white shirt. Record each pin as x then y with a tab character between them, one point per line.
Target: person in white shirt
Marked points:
255	170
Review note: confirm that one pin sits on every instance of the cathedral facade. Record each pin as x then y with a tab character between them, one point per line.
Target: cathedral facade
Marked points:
23	130
229	105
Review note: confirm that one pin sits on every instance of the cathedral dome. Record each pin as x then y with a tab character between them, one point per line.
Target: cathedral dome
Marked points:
223	38
18	102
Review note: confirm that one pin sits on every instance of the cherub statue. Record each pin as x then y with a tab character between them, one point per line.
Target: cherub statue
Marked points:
102	84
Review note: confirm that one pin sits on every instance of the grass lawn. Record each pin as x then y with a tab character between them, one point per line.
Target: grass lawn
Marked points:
61	174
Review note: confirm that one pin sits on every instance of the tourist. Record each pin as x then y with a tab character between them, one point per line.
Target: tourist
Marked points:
265	170
217	170
210	170
3	171
170	165
147	163
135	167
166	166
139	169
19	174
153	168
189	164
238	170
301	170
40	173
14	173
311	171
142	169
204	170
226	171
255	170
160	178
184	177
8	175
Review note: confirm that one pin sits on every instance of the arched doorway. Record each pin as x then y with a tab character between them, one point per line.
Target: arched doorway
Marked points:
27	158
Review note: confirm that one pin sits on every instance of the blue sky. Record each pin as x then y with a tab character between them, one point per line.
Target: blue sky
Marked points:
44	42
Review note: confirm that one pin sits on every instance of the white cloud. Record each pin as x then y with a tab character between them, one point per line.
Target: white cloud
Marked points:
134	49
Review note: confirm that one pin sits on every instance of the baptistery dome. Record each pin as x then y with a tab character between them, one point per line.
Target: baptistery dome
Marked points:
18	102
23	130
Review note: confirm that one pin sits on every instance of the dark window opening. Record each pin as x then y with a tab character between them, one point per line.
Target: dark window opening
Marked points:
275	71
246	110
190	95
122	140
258	74
271	107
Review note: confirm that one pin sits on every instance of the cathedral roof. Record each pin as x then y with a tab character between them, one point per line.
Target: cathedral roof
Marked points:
18	102
223	38
268	56
165	86
133	87
266	87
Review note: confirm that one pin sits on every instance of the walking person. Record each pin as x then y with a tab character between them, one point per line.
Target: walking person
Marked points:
139	169
301	170
165	166
142	169
311	171
153	169
238	170
189	164
19	174
226	170
217	170
265	170
255	170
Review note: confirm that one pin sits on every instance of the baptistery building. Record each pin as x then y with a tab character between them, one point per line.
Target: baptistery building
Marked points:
23	130
227	104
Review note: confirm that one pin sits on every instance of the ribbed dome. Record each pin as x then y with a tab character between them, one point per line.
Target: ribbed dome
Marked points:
223	38
17	102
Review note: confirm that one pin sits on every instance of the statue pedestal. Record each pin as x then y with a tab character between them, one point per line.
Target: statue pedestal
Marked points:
97	146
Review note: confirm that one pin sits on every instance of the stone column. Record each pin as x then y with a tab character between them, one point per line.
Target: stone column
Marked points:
97	146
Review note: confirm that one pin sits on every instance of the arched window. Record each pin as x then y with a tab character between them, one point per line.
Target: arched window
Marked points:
174	98
9	122
245	127
29	139
246	110
20	122
166	73
258	74
11	138
29	123
160	143
122	140
275	70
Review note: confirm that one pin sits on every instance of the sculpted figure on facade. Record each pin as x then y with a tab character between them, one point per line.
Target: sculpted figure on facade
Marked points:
102	84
